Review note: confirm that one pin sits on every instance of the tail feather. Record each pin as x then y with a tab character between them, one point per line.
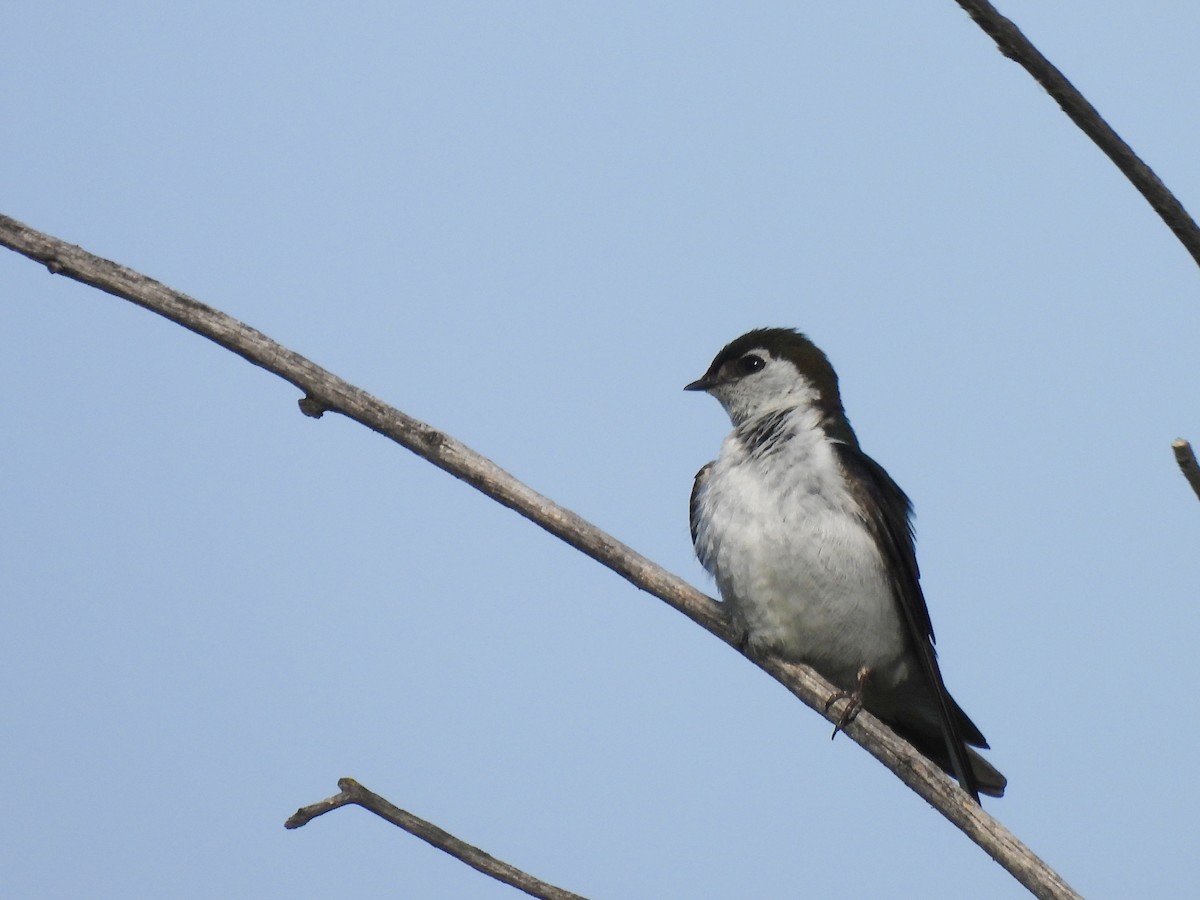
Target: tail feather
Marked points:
987	777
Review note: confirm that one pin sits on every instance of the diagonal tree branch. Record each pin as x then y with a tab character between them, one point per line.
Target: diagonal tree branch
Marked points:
353	792
324	391
1017	47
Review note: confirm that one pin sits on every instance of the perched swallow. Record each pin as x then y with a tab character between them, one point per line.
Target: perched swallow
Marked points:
811	545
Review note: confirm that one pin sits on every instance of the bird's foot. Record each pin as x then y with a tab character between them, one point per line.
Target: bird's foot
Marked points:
854	702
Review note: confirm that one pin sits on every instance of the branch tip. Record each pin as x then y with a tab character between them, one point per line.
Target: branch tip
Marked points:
1185	457
306	814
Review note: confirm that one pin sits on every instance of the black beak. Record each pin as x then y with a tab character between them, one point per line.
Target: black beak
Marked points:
700	384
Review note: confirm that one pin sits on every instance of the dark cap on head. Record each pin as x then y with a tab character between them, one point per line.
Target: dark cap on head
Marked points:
796	348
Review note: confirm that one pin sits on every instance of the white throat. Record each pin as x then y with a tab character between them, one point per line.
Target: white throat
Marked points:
777	387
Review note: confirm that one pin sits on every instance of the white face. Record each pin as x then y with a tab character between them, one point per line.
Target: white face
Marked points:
757	382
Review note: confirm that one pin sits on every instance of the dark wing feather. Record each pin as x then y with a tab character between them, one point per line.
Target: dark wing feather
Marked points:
694	503
888	514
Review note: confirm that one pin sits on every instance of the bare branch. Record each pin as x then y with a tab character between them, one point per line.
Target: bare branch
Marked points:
324	391
353	792
1017	47
306	814
1186	457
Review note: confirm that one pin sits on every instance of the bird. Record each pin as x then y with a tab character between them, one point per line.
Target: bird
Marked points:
812	547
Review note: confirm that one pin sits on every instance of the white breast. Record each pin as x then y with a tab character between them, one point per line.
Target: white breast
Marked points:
794	560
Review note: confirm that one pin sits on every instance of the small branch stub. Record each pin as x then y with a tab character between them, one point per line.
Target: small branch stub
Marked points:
312	407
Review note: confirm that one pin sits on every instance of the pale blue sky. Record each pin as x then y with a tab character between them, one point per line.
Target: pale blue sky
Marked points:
531	224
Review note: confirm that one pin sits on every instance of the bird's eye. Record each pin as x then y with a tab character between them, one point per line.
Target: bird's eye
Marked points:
750	363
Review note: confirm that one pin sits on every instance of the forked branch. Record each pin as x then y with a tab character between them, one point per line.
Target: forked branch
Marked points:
351	792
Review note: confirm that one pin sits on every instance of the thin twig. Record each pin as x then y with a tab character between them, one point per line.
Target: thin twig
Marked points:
325	391
1017	47
1186	458
353	792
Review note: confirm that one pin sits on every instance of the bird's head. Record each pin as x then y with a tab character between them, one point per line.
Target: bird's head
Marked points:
769	369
